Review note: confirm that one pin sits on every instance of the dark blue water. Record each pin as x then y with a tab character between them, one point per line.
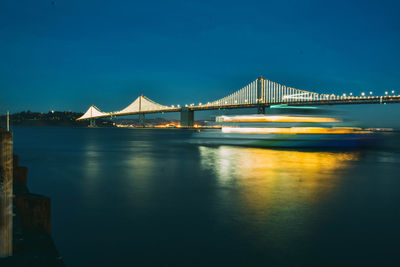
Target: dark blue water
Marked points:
146	197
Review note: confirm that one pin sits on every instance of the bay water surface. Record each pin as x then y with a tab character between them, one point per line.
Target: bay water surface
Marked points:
149	198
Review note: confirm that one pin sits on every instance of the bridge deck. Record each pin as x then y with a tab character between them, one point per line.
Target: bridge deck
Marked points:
260	93
366	100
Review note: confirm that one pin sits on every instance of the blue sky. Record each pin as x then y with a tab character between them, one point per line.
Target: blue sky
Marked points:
67	55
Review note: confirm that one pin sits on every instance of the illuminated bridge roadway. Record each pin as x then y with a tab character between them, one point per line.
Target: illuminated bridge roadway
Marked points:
260	94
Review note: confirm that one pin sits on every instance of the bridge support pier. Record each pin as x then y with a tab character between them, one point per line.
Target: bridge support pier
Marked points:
187	117
142	120
92	122
260	96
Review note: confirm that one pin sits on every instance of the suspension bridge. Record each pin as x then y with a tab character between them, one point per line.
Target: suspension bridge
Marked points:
261	94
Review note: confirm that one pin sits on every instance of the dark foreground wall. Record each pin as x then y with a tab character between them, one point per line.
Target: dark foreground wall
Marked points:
33	245
6	193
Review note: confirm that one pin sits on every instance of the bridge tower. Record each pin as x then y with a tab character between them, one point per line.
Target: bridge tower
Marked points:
142	119
187	117
260	95
6	193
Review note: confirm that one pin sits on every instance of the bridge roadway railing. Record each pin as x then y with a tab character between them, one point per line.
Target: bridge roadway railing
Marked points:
114	114
333	101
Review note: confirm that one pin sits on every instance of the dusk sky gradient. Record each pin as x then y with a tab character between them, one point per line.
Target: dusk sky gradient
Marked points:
67	55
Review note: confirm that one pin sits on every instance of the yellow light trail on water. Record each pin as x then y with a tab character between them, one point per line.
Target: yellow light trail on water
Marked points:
295	130
276	119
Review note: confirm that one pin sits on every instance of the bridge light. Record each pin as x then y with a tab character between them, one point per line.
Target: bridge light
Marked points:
392	91
351	93
173	106
363	94
178	106
386	93
370	93
199	104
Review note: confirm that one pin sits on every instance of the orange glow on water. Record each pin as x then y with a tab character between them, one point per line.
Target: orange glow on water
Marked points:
275	186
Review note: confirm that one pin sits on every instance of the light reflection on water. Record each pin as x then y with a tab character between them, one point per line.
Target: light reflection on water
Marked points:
150	197
130	161
92	162
247	163
274	188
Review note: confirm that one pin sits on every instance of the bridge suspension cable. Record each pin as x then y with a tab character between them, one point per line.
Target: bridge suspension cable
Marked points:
259	93
142	104
93	112
267	92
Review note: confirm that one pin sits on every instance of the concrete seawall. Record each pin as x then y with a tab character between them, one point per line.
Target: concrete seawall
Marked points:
28	231
6	193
